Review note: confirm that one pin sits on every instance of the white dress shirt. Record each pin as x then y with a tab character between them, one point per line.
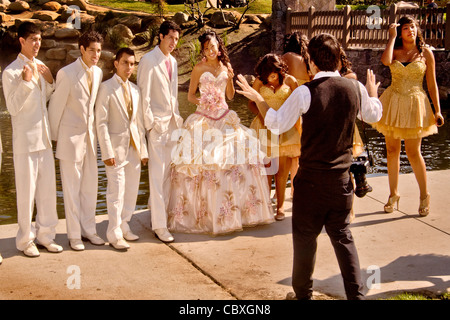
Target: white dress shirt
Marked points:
299	102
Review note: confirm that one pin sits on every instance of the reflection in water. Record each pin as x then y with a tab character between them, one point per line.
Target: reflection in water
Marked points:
435	150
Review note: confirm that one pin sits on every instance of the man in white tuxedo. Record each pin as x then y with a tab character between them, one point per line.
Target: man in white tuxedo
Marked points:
27	85
71	115
157	79
121	135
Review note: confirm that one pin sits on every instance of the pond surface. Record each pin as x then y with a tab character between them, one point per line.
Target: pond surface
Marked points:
435	149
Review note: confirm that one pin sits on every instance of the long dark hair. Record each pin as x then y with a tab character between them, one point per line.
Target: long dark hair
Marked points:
211	34
297	42
346	65
419	38
268	64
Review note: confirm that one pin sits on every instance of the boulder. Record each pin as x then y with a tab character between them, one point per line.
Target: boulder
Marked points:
142	38
180	18
225	20
45	15
72	55
118	35
19	6
67	33
79	3
406	5
4	17
5	2
51	6
252	19
48	43
132	22
56	54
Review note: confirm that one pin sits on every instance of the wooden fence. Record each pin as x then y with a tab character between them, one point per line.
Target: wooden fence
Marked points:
369	28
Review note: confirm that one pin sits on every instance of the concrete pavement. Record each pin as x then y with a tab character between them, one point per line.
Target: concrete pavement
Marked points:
398	252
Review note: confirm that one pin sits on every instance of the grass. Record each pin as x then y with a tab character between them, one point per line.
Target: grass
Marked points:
259	6
419	296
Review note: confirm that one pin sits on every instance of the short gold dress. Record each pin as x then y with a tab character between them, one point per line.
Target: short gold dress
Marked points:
407	112
288	143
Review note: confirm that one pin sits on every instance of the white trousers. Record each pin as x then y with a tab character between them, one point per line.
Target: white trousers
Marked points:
35	181
80	185
121	194
159	150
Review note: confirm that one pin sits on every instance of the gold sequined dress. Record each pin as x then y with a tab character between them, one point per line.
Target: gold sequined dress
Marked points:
286	144
407	112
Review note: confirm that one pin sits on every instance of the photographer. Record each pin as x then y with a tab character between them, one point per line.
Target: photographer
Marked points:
323	190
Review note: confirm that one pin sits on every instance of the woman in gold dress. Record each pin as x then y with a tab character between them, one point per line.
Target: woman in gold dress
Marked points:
275	85
407	113
296	58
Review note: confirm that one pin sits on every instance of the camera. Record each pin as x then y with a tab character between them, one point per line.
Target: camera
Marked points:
359	170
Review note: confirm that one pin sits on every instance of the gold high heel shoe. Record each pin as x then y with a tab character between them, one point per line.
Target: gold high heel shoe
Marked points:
389	206
424	207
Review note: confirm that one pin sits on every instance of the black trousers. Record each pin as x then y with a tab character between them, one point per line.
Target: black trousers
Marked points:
323	199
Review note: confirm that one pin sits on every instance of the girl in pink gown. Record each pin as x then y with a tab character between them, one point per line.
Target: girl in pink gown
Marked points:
218	181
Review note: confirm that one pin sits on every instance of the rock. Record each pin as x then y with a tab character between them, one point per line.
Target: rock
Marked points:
118	35
48	43
72	55
132	22
217	19
4	17
45	15
54	66
66	33
252	19
56	54
48	31
180	17
51	6
5	2
3	7
79	3
19	6
406	5
142	38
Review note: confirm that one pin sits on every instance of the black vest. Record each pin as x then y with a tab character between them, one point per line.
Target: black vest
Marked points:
328	125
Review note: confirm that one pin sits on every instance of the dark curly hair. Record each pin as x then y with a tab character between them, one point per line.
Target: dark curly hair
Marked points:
297	42
88	37
346	65
271	63
211	34
419	39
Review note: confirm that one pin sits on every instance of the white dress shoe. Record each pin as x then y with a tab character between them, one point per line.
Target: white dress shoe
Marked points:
31	250
94	239
1	259
120	244
164	235
130	236
52	247
76	244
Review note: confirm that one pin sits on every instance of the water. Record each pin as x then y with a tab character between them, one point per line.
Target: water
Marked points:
435	149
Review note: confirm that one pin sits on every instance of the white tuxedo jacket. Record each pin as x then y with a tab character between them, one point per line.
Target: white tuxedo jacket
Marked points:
27	104
159	94
114	128
71	112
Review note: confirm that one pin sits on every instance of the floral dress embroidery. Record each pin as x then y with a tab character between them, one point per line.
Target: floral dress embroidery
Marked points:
218	182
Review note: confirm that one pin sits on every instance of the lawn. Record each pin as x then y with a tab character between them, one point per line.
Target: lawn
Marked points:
259	6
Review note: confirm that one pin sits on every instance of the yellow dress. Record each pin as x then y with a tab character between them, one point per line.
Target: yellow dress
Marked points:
288	143
407	112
